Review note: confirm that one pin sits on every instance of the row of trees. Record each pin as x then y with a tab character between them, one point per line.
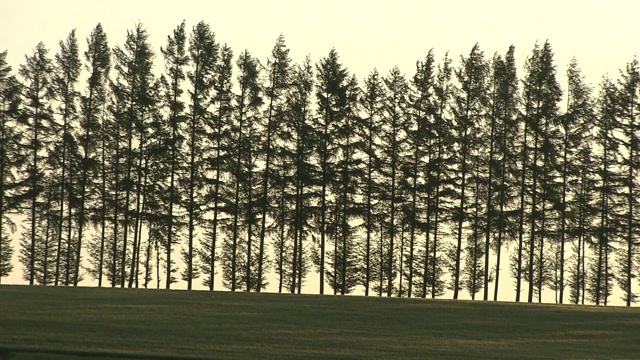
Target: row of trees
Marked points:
399	186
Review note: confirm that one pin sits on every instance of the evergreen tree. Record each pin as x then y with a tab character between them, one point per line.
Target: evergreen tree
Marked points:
493	166
292	259
575	126
419	134
372	106
238	259
505	102
278	72
37	117
393	150
153	137
331	102
249	103
10	160
217	158
65	76
148	101
98	59
541	94
609	191
499	134
473	272
468	111
112	156
175	59
440	178
133	64
65	256
629	126
44	252
345	275
581	217
204	52
155	190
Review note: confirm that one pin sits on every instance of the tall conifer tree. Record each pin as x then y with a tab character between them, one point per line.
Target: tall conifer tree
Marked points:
278	72
629	126
393	150
420	135
468	111
175	59
37	117
609	191
133	63
372	106
66	74
92	103
575	126
10	160
331	96
541	94
506	103
219	131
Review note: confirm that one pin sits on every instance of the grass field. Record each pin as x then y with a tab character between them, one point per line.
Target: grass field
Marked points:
92	323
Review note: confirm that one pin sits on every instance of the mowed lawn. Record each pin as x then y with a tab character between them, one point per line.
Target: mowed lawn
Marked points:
92	323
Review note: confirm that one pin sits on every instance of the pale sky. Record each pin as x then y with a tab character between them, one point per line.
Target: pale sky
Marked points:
602	35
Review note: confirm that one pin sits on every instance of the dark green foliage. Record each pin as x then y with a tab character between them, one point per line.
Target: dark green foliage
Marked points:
92	104
278	71
416	179
392	150
63	157
339	146
468	112
168	155
541	94
580	222
203	52
629	137
295	200
609	192
331	95
372	106
37	118
503	164
389	186
440	181
217	161
577	175
10	160
343	272
238	266
132	89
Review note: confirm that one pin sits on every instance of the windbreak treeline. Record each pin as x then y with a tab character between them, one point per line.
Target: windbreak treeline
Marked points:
136	168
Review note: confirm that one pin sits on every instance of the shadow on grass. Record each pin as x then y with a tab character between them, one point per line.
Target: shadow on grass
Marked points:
5	354
37	354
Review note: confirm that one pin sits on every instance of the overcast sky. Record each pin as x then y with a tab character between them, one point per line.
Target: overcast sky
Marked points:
602	35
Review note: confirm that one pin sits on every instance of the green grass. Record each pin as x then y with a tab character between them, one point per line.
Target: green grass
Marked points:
83	323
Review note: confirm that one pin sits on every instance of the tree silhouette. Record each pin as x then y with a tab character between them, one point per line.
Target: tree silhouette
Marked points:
175	59
36	116
10	160
468	111
92	105
628	125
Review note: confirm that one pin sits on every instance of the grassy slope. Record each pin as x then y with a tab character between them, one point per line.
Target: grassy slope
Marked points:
39	322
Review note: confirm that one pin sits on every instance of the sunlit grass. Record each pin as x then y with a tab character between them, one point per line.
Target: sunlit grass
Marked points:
69	323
